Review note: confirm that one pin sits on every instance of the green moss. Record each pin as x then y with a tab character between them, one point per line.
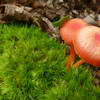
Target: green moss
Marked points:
61	21
32	67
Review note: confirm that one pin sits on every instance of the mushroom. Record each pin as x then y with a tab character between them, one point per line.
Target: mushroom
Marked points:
67	31
87	45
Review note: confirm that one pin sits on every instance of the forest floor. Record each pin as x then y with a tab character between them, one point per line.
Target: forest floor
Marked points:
32	65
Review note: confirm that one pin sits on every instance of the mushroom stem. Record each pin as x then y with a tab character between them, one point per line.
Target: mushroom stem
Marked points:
71	57
77	64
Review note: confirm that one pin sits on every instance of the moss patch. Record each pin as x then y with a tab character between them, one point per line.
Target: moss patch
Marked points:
32	67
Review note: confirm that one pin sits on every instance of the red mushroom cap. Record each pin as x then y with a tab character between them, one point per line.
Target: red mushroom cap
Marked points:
87	44
70	27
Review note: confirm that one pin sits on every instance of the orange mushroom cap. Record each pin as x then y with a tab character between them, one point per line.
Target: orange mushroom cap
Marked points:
69	28
87	44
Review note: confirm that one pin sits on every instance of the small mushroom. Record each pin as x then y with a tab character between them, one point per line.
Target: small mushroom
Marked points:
87	45
67	31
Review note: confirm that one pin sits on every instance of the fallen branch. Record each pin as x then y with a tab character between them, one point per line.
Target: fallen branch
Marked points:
13	12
